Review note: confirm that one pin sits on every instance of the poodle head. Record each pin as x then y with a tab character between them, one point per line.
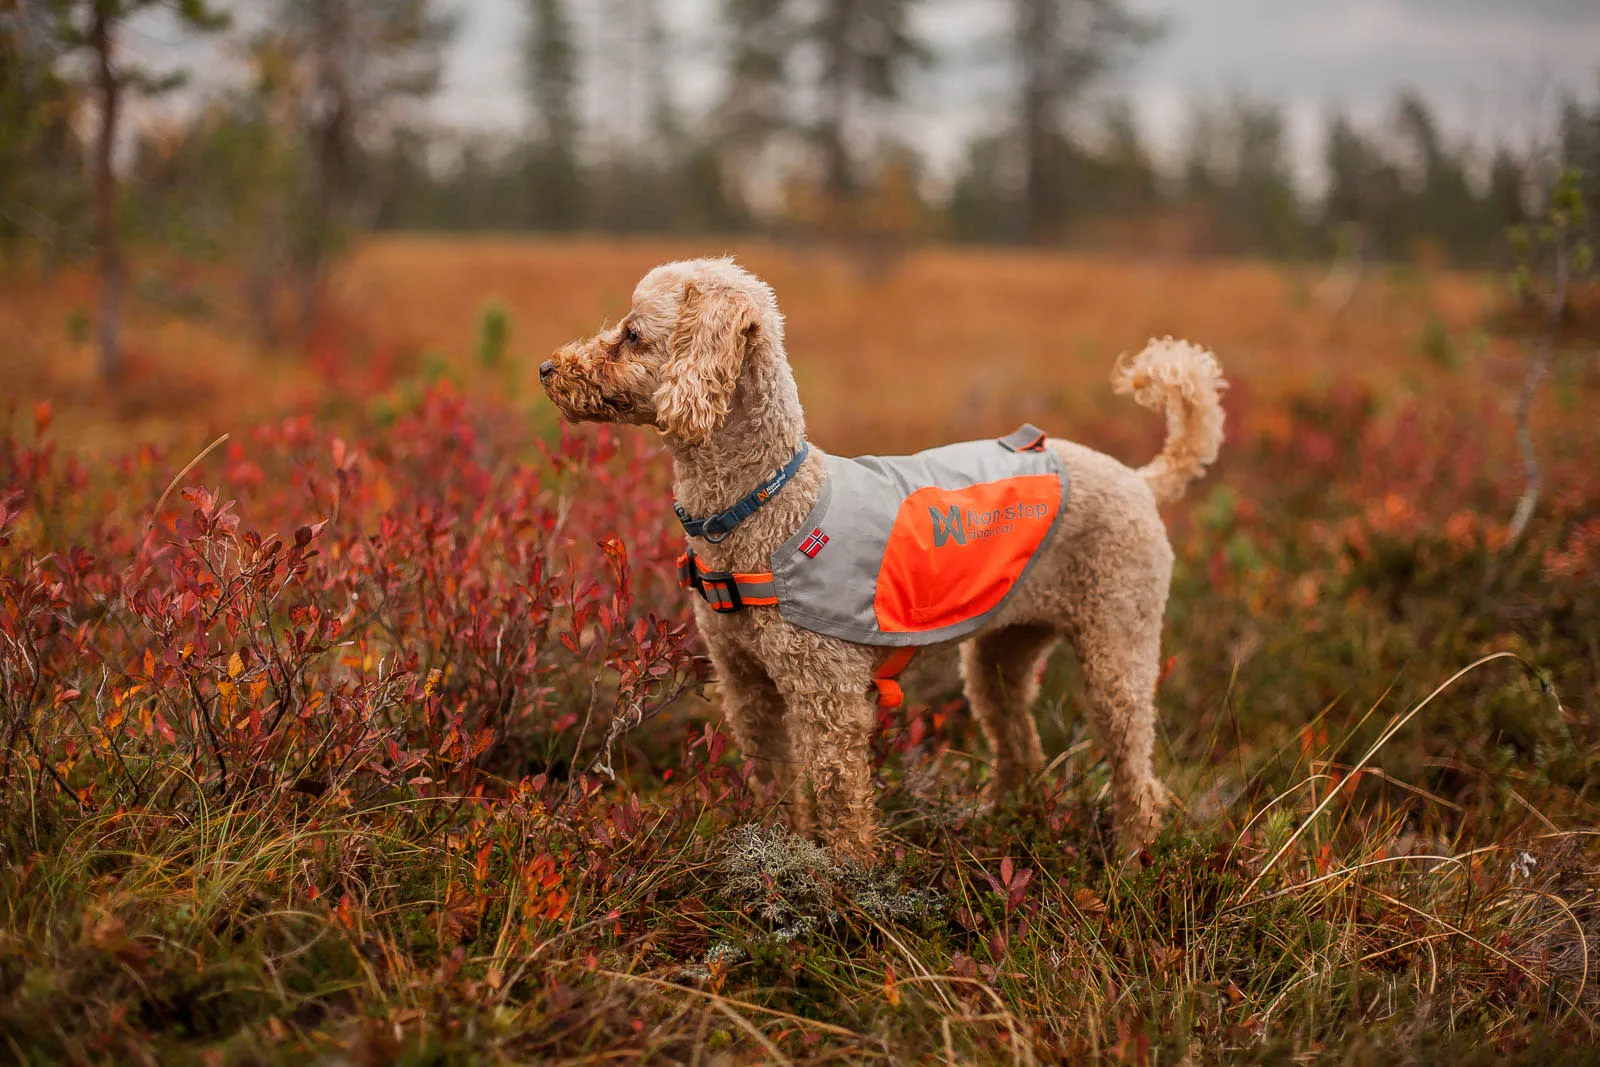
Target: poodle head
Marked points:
676	359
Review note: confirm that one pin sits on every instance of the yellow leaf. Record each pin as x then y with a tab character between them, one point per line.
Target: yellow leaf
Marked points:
188	650
432	683
891	988
235	666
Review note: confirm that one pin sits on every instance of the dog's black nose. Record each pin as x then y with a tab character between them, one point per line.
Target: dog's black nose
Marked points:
546	369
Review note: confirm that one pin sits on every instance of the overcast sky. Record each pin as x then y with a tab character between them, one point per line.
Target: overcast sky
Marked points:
1492	67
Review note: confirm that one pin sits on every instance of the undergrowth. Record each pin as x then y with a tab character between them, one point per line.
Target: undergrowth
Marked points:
386	747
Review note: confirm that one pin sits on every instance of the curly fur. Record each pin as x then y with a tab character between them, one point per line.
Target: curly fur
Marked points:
700	356
1185	381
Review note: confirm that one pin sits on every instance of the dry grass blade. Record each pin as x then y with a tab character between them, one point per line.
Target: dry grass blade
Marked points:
1347	872
176	478
1583	941
1021	1051
750	1028
1388	733
743	1005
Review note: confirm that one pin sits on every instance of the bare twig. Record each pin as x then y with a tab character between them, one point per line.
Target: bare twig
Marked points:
1551	255
1538	370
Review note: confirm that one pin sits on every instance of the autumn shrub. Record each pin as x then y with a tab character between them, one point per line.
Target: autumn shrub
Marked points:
422	617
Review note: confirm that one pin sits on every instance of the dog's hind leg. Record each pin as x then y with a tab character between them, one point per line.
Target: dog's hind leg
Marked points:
754	710
1001	673
1120	654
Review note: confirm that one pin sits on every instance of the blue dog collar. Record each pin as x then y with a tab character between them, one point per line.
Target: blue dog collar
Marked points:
716	528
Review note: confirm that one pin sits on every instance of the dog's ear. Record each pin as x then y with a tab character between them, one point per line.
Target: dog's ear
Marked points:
705	358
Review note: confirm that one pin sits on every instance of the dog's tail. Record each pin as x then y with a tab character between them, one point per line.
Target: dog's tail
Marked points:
1186	382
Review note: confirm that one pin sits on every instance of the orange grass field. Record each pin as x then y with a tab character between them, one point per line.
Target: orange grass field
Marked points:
948	343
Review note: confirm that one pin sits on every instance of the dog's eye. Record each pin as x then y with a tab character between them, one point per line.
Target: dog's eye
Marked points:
630	337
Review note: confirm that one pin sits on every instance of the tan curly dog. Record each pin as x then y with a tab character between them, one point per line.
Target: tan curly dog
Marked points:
700	356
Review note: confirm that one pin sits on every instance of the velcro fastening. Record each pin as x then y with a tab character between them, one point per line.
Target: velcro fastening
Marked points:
1025	438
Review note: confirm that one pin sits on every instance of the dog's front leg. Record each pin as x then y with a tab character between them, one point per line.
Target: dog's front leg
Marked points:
831	731
754	710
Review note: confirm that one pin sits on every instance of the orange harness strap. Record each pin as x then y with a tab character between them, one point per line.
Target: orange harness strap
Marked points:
730	592
726	591
890	695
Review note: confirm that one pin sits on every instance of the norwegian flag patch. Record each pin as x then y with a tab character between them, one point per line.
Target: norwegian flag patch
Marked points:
813	543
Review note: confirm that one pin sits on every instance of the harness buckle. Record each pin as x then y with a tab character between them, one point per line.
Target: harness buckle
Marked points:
717	588
721	592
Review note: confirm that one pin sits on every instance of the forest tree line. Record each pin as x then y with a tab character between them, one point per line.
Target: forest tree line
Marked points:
325	134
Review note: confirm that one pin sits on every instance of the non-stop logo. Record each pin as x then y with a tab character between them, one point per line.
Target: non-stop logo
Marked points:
966	524
953	554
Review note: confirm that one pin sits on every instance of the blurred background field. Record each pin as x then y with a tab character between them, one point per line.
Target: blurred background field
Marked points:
953	341
378	731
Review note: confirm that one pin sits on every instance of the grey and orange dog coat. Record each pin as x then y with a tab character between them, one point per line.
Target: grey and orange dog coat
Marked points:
900	551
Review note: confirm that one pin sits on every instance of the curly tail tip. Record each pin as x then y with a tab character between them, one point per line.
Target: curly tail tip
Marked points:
1186	382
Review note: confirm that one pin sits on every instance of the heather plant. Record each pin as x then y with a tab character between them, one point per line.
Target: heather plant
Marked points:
378	648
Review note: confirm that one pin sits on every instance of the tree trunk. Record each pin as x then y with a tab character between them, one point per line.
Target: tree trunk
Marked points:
837	179
332	138
1036	103
112	280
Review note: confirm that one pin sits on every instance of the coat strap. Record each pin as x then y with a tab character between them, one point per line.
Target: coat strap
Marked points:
1025	438
890	695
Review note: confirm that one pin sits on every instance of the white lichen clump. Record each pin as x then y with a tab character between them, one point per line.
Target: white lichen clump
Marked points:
779	876
783	878
776	873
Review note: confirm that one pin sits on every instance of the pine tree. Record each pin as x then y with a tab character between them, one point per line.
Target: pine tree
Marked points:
756	108
550	78
95	28
1364	207
41	154
359	62
858	54
1058	48
867	51
1264	210
1444	208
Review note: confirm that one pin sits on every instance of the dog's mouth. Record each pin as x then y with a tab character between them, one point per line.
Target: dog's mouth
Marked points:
600	407
586	404
604	407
